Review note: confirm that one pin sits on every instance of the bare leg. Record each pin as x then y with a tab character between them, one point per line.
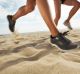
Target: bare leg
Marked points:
55	38
57	5
29	7
76	5
44	10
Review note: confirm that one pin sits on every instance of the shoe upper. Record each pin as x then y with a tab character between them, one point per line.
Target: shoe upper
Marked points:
11	23
62	42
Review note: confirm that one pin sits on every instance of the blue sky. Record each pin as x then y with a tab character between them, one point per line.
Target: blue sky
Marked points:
33	21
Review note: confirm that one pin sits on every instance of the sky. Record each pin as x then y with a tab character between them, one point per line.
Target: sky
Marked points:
33	21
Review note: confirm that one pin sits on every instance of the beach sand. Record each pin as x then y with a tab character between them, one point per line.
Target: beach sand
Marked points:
33	54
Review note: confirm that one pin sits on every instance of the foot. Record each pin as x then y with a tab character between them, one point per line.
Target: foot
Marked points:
11	23
68	25
62	42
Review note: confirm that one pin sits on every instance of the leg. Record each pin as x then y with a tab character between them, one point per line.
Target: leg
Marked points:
57	5
29	7
56	38
76	6
44	10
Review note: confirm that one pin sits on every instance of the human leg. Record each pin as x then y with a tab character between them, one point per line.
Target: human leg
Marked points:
29	7
56	38
57	5
76	6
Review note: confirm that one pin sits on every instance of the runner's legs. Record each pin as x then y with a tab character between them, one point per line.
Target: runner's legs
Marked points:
29	7
76	6
57	4
45	12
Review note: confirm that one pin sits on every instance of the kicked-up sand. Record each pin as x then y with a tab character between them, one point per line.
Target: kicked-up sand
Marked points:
33	54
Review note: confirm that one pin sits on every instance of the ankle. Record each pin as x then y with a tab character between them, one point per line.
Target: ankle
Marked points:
54	36
13	18
67	21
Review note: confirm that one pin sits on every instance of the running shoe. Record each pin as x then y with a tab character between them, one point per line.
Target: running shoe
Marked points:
11	23
62	42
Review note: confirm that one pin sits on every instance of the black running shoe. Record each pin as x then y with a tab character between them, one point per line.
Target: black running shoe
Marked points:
62	42
11	23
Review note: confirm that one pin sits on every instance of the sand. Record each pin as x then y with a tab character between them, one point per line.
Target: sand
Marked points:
33	54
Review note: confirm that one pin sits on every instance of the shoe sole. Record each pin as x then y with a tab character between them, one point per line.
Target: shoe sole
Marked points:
63	50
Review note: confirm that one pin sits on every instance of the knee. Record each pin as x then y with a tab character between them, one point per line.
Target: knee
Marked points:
77	4
30	8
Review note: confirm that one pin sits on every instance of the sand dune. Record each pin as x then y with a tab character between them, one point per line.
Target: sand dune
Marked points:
33	54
